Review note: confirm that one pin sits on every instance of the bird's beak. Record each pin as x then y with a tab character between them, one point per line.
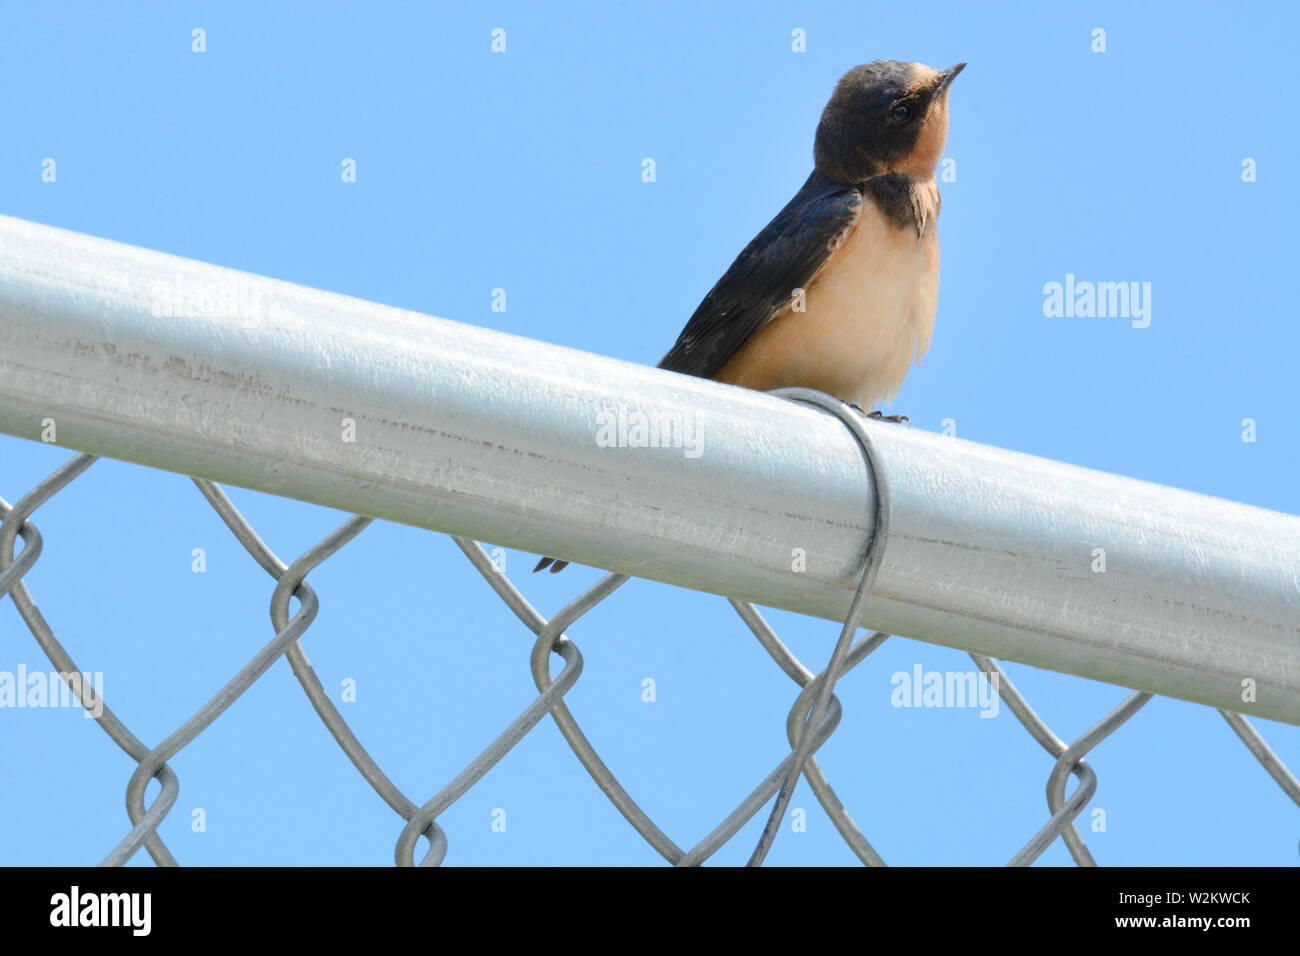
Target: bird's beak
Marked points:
947	76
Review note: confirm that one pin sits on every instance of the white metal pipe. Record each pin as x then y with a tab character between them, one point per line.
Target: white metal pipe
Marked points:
207	371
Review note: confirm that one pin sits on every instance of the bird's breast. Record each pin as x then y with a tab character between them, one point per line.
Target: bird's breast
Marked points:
868	312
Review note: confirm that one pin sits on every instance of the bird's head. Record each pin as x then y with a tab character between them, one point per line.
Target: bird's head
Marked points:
886	116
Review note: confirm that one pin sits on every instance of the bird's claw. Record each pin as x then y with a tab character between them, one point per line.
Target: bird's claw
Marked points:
896	419
880	416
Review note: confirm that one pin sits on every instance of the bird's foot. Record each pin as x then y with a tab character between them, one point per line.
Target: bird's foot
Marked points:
555	566
882	417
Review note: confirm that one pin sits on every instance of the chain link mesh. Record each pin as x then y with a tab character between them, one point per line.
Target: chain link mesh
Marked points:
422	819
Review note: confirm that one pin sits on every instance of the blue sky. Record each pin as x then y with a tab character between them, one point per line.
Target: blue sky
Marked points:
522	170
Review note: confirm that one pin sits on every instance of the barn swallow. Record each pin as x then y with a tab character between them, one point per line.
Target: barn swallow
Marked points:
838	292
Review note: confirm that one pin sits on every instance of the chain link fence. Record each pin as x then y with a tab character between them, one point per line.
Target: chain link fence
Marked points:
421	818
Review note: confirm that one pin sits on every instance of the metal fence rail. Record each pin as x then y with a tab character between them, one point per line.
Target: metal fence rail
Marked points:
235	378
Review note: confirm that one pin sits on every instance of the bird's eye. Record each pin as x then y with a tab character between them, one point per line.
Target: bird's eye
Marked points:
901	113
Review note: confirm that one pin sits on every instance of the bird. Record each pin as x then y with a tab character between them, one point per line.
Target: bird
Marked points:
838	292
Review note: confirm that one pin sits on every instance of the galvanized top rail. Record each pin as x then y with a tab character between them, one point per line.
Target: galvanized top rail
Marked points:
207	371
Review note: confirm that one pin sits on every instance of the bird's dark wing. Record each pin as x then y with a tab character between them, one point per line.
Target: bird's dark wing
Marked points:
783	257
